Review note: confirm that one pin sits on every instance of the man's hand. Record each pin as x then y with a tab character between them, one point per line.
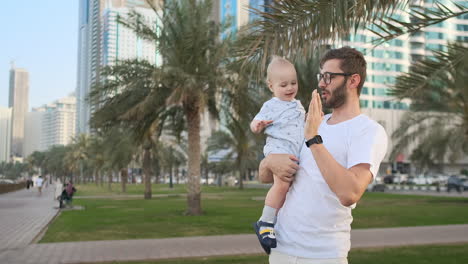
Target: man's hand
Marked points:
257	126
314	116
284	166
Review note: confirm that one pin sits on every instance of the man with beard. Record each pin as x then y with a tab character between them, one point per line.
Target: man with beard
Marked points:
341	156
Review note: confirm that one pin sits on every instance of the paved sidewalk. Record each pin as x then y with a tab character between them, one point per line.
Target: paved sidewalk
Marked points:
154	249
23	215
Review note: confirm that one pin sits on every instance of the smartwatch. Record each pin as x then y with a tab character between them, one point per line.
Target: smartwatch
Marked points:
315	140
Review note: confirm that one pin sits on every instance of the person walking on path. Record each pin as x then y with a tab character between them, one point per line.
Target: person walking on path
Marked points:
39	182
341	156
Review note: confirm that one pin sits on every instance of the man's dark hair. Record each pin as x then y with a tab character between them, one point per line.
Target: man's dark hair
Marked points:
352	61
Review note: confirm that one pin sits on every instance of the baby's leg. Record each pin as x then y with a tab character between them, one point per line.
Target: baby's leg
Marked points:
273	202
277	193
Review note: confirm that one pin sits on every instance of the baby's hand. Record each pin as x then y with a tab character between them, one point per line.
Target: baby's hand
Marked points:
257	126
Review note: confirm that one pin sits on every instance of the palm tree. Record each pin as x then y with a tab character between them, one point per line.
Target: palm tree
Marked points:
240	103
96	158
171	157
294	28
437	123
119	149
80	147
129	97
194	59
239	147
36	159
57	162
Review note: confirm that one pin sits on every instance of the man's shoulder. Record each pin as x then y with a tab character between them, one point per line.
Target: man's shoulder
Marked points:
365	124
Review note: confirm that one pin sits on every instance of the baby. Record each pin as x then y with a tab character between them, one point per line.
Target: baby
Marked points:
282	117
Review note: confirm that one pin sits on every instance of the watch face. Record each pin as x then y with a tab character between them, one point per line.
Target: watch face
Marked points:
318	139
315	140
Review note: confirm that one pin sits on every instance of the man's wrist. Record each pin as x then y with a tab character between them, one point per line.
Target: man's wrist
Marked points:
311	134
315	140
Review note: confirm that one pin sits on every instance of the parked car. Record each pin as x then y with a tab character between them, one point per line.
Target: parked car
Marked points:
409	181
389	179
374	186
454	182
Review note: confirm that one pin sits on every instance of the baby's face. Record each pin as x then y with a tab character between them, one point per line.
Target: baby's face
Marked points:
283	82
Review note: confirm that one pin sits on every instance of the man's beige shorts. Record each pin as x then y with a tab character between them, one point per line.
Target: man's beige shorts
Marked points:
280	258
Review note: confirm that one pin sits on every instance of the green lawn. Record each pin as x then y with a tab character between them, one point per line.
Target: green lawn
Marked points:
395	210
231	211
228	212
434	254
138	189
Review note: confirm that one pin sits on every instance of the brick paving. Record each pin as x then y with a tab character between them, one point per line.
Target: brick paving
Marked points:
23	215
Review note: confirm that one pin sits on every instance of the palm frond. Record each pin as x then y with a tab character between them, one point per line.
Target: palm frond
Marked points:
420	17
436	84
432	137
294	28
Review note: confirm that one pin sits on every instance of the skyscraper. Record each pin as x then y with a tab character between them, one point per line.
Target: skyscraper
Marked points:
19	102
101	42
51	124
5	133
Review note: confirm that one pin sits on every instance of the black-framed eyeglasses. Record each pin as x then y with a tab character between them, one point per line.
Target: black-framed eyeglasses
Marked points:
327	76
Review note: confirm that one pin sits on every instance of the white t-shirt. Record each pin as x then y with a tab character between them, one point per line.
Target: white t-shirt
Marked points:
39	182
312	222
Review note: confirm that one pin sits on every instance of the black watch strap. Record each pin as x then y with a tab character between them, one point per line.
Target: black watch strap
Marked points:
315	140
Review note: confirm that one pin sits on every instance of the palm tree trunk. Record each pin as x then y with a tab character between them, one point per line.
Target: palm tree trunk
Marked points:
96	177
147	172
109	181
241	174
205	172
218	179
100	178
192	114
157	170
124	179
171	185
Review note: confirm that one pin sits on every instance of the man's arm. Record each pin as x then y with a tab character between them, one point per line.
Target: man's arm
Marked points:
284	166
348	184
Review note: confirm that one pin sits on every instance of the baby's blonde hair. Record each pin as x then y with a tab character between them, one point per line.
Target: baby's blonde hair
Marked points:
276	60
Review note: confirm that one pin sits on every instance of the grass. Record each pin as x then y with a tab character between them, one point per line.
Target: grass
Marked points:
230	211
395	210
138	189
433	254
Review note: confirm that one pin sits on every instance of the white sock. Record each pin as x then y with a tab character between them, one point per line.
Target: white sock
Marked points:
268	216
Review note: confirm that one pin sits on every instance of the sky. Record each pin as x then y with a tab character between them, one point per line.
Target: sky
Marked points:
41	37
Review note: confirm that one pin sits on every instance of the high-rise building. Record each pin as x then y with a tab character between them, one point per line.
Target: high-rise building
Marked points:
34	130
260	5
59	122
237	12
385	62
5	133
19	102
102	41
50	124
